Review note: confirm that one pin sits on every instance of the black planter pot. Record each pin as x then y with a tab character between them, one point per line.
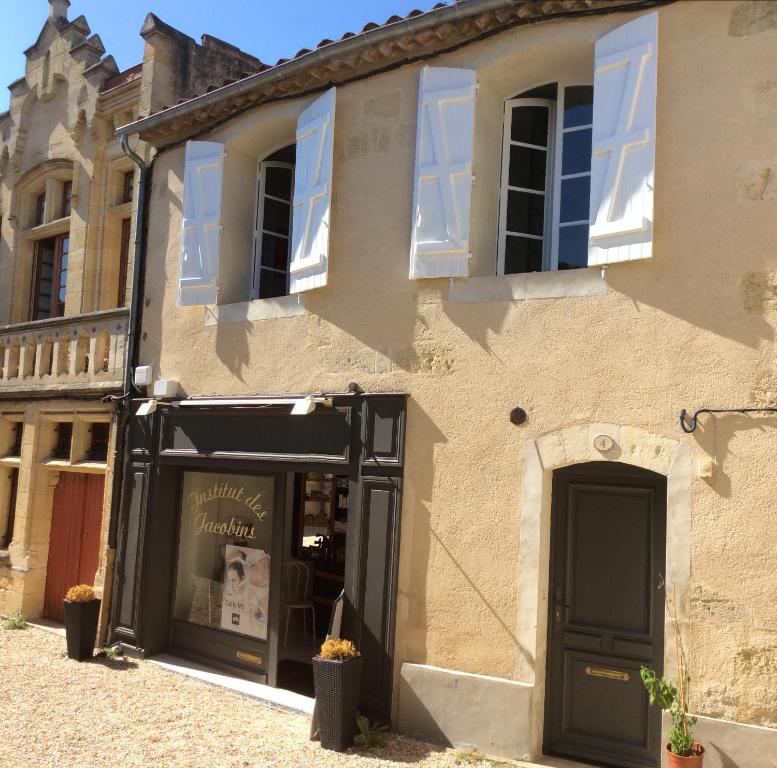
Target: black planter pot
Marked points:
81	628
337	685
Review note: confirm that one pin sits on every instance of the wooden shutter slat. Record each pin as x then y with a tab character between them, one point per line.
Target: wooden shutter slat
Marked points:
201	226
623	148
443	173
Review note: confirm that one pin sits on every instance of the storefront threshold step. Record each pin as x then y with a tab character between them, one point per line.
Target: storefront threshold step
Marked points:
276	696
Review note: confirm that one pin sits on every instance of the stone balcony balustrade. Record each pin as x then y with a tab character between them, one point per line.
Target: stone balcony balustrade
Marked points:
80	353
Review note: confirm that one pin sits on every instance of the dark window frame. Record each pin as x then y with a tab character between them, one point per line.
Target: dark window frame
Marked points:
58	270
126	236
64	442
67	194
12	496
100	434
18	433
127	186
39	214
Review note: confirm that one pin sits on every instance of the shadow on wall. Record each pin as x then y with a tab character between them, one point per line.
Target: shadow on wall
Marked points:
421	440
714	434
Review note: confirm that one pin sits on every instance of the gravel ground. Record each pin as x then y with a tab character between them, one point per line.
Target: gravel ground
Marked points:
125	714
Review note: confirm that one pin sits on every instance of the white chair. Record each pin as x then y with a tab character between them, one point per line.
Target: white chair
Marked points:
296	597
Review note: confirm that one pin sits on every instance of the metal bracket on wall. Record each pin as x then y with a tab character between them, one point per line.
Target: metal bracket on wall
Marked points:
689	424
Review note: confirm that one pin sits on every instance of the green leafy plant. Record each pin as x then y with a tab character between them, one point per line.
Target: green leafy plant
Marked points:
674	698
15	621
107	652
370	734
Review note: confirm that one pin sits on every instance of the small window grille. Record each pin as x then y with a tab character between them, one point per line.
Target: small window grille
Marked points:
18	430
64	438
127	186
67	194
98	447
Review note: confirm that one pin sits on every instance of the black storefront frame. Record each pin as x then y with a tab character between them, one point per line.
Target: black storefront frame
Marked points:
361	436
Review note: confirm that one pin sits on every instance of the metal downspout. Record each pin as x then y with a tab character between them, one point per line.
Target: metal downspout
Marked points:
122	402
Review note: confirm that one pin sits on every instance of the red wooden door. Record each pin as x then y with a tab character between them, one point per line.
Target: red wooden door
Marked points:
74	543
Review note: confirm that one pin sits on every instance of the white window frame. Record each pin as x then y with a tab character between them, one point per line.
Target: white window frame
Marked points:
261	175
553	177
507	142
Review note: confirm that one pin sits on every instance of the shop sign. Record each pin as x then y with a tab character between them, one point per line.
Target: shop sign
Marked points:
223	491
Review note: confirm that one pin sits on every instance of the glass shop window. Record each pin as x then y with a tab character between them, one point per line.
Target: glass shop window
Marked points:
223	578
546	179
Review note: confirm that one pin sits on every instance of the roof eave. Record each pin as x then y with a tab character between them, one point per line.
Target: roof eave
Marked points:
504	14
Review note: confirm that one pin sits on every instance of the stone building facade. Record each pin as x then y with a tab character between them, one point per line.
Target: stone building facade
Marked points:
549	227
68	213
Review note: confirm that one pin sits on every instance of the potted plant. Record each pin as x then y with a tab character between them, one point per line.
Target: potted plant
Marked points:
337	681
82	609
682	751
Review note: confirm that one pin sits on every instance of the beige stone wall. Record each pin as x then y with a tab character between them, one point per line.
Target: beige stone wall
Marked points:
693	326
23	564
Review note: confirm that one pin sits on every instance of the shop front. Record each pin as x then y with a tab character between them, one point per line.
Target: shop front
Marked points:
241	524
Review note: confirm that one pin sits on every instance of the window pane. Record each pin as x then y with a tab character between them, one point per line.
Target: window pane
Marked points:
527	168
574	198
276	216
530	125
573	247
522	255
525	212
278	182
576	153
272	284
578	105
275	252
223	579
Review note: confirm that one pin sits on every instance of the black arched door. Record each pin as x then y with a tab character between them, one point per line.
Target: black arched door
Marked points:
606	619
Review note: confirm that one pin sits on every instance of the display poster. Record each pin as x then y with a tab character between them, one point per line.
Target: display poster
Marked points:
246	591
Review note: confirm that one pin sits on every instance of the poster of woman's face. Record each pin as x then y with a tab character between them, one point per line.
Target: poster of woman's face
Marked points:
246	591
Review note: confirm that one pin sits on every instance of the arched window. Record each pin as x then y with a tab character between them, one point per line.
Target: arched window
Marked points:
272	224
546	179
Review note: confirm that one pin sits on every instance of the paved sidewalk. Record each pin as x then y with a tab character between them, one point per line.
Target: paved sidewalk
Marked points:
59	713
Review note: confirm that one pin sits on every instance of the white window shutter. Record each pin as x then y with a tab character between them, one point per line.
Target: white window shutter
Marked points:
443	173
624	143
201	235
312	195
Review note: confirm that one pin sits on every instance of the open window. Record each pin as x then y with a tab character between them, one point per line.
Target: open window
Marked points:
272	224
50	283
546	179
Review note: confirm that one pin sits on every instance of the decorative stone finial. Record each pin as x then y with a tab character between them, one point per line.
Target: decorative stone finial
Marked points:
58	9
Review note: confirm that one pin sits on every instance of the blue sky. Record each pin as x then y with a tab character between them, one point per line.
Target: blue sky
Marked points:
269	29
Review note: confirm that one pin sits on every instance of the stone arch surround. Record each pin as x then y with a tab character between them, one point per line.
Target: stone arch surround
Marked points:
575	445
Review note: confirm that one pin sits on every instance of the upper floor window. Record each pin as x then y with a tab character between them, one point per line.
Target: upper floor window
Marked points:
546	179
124	248
127	186
272	225
50	283
39	215
67	194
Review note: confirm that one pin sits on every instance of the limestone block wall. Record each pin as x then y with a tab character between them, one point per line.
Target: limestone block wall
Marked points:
23	564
